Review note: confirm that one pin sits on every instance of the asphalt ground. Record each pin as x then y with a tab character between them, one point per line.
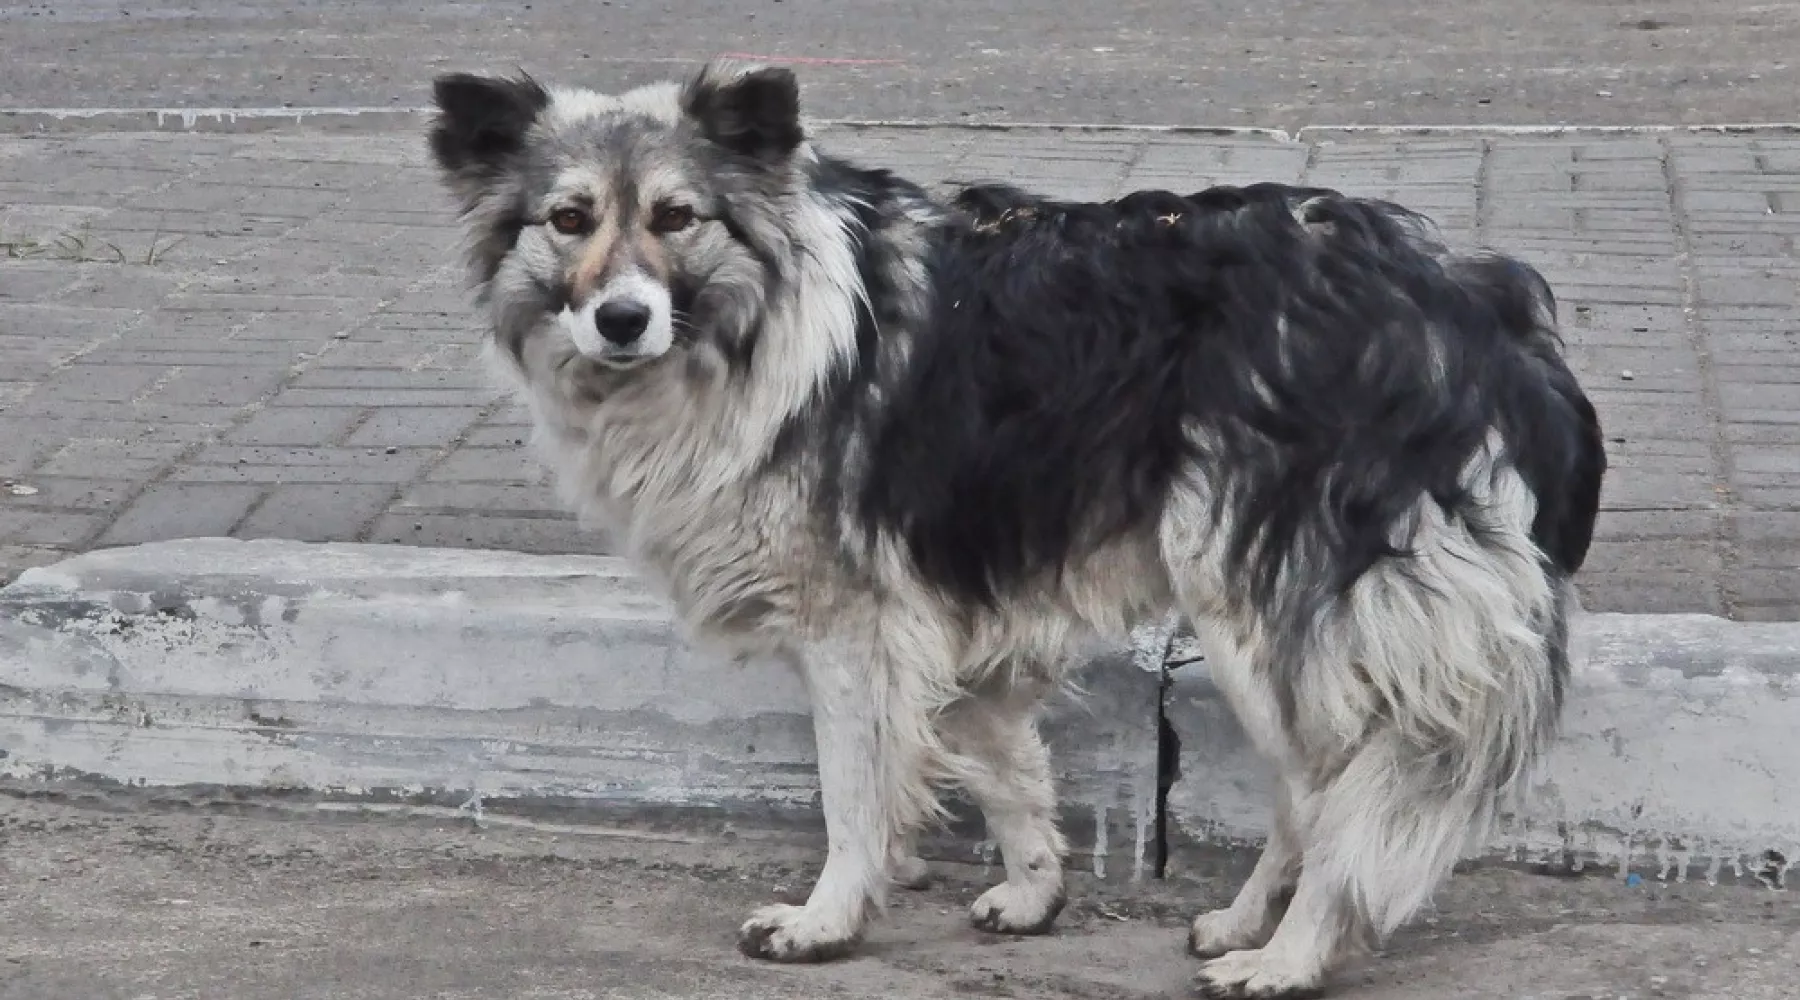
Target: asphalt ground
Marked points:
1278	63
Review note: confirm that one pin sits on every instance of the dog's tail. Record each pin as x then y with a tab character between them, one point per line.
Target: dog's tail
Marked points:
1445	671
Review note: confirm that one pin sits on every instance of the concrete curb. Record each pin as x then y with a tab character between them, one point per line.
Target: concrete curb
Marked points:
372	675
1680	756
350	118
383	675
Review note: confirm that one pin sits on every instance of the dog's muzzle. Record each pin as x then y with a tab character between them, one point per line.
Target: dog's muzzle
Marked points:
625	322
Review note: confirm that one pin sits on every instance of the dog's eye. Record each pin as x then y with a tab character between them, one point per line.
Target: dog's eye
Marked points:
671	218
569	221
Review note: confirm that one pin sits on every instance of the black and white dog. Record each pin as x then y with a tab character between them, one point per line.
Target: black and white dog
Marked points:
920	448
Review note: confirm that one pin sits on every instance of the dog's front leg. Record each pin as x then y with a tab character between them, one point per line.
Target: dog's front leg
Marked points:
869	756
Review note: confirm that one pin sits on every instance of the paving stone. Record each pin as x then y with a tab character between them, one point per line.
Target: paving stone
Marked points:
297	425
514	499
1767	588
1640	526
1777	491
384	379
99	459
489	465
500	436
414	426
100	383
547	535
58	529
1689	554
1760	528
1658	593
53	492
316	512
475	399
1760	437
220	385
309	314
233	464
182	510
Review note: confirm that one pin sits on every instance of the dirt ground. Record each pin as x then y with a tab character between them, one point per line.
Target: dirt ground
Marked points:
99	904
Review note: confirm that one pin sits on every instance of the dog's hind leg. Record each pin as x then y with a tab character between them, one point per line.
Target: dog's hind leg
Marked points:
872	724
1280	934
905	867
1264	897
1378	838
1388	820
1430	691
1260	903
1293	964
1006	767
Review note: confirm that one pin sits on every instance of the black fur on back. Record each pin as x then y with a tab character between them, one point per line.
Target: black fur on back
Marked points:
1068	348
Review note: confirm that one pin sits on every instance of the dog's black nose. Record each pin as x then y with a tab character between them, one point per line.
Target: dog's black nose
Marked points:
622	322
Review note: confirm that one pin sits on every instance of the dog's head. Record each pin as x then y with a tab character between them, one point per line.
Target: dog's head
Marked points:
635	226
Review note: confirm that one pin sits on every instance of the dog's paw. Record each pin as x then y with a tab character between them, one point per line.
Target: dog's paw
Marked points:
911	873
1019	907
783	933
1255	975
1220	931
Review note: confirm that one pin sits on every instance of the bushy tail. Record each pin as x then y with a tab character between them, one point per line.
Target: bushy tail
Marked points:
1453	664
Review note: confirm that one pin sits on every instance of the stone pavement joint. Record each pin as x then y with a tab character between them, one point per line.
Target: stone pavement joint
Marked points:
265	333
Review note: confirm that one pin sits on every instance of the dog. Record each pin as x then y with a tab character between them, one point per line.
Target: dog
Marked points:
921	446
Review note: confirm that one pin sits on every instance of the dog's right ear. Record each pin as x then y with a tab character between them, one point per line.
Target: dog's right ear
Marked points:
482	121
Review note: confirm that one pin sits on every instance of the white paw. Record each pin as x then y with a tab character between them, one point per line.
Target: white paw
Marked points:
783	933
1220	931
911	873
1257	975
1019	907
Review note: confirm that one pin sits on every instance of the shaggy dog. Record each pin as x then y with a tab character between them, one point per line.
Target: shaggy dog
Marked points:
920	447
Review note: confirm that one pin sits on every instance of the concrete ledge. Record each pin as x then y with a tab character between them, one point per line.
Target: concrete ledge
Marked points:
366	676
381	674
1680	756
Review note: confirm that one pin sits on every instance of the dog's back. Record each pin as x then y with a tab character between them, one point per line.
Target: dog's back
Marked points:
1325	355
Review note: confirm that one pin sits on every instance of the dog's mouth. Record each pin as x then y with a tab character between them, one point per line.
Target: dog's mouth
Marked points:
624	362
617	364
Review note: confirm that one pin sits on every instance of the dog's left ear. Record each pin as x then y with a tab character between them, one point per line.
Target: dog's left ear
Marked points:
753	111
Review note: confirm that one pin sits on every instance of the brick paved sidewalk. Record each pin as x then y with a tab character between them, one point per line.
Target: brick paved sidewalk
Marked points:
266	335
